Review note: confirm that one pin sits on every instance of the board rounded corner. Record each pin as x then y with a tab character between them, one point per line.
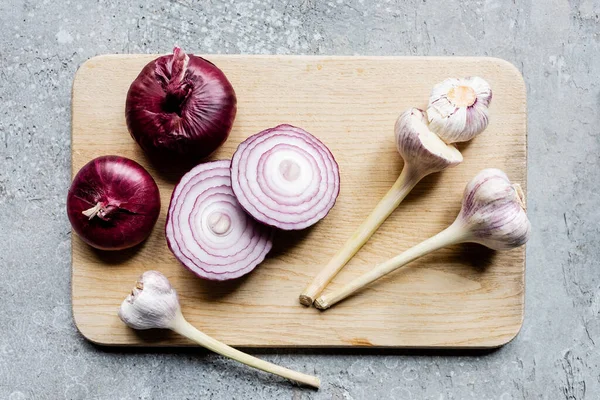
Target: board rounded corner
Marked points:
506	339
512	69
88	65
87	335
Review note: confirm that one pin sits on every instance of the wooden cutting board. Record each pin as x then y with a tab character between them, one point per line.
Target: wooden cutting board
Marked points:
463	296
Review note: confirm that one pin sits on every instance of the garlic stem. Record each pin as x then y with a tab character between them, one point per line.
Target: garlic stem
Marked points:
181	326
455	233
423	153
154	304
492	214
408	178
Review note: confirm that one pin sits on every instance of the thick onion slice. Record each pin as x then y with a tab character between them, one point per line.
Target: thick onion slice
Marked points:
208	231
285	177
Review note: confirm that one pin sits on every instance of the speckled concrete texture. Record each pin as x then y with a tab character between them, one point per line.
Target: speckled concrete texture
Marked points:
556	45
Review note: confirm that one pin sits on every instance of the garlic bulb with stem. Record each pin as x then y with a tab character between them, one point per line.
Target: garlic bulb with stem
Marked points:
423	153
458	108
153	303
492	214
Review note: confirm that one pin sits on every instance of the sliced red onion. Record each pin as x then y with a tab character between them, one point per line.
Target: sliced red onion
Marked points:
207	229
285	177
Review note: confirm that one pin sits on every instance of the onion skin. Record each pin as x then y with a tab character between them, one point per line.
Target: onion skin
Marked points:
126	199
180	105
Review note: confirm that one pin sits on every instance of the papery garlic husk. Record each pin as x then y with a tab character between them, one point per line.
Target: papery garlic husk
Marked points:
493	211
153	303
421	149
458	108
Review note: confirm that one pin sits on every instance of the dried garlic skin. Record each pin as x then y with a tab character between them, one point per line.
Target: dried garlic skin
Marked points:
493	211
458	108
153	303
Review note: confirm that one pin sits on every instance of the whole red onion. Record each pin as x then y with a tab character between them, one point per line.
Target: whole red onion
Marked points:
180	105
113	203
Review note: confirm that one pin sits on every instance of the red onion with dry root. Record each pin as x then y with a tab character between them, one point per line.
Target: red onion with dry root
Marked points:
113	203
180	105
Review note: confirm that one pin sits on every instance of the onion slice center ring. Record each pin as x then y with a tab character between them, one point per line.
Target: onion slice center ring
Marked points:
208	231
285	177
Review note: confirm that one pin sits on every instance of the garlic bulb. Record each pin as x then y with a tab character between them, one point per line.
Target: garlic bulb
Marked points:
153	303
423	153
458	108
493	211
492	214
420	148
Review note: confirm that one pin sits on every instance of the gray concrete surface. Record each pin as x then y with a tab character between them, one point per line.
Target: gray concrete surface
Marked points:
556	44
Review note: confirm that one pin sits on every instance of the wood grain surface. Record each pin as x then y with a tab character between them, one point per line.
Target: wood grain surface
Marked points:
463	296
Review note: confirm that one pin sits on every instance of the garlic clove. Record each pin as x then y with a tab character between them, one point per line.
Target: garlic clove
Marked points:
493	211
420	148
153	303
458	108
